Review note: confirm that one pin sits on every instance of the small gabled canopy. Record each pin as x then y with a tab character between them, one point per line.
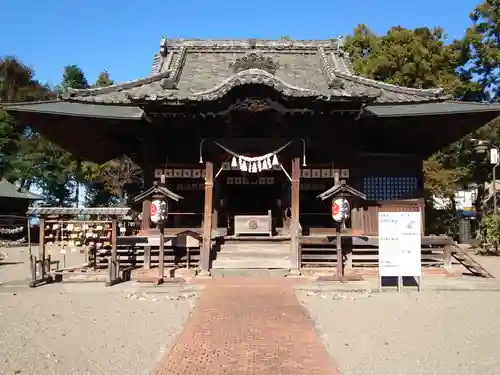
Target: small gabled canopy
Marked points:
8	190
341	190
158	190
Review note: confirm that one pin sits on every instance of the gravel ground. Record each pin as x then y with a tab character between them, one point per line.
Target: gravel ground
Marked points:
428	333
15	263
71	328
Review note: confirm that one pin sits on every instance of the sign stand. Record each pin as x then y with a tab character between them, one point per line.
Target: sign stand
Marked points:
400	247
418	280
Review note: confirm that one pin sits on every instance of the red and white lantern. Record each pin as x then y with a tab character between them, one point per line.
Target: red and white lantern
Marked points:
340	209
158	211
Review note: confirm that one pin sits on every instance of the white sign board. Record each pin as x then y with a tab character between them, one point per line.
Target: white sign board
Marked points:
494	156
399	244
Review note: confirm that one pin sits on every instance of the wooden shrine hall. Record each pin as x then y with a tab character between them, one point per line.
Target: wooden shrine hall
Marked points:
250	132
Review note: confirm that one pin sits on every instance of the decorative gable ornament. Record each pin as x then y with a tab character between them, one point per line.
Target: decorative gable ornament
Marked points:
255	60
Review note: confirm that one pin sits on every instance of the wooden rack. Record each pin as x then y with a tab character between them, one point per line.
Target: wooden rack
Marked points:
41	267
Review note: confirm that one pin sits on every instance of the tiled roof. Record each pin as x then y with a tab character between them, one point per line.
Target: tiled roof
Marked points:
205	70
158	189
8	190
342	190
111	211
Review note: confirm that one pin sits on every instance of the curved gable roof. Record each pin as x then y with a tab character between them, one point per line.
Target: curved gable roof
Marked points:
194	70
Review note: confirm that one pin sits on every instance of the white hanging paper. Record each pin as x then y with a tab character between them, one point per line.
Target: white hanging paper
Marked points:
234	164
275	160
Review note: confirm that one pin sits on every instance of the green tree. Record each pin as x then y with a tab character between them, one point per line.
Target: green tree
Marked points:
17	141
96	192
116	176
420	58
104	80
417	58
74	78
483	41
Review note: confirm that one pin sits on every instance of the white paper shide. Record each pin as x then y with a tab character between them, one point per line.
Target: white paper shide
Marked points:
400	243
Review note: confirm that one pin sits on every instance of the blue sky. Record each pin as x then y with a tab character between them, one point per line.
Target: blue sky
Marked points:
122	36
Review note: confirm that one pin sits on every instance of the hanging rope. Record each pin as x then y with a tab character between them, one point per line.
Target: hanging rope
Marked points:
256	163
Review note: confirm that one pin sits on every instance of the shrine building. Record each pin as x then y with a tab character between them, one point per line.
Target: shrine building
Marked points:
250	132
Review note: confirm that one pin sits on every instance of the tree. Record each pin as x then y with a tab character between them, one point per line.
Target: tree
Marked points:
96	193
483	42
104	80
17	84
73	77
420	58
416	58
117	174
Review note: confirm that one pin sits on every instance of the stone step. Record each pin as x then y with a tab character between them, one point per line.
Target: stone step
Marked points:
238	272
258	263
246	255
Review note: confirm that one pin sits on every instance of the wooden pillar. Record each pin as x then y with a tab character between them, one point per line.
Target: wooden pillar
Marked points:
161	260
113	261
147	257
146	218
41	248
146	204
207	221
294	226
448	257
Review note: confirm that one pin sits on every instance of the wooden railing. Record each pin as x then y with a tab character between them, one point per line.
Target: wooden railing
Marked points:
362	251
365	218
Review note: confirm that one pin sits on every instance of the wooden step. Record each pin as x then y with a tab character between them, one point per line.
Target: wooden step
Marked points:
468	262
267	239
237	272
244	255
251	264
254	249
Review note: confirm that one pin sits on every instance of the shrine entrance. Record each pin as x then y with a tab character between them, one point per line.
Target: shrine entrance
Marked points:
252	194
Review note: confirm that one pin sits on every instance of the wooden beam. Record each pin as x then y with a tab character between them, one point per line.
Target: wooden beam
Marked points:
207	220
114	264
294	226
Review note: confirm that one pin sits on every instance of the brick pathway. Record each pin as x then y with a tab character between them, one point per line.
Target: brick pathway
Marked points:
248	326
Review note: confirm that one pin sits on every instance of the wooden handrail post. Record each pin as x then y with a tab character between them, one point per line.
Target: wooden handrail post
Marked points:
207	221
294	227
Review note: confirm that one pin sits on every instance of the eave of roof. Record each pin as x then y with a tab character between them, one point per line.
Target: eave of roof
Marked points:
8	190
65	108
429	109
133	112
